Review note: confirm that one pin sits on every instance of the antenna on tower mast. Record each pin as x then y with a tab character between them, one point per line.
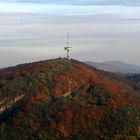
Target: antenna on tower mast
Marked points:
68	49
68	37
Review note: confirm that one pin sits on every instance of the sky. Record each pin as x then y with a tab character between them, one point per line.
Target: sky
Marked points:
103	30
79	2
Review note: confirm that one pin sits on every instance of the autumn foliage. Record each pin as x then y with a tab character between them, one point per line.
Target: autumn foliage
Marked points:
67	99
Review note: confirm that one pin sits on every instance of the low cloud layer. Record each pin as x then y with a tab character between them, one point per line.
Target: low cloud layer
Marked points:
31	32
32	37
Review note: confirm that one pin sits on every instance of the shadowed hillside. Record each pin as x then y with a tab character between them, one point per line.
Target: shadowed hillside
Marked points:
134	78
67	99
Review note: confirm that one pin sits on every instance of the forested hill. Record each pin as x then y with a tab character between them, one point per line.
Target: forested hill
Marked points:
66	99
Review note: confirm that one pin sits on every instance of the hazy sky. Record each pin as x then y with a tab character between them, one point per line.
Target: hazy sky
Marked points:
99	31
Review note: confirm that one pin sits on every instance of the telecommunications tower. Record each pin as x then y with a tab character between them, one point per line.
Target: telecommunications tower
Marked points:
68	49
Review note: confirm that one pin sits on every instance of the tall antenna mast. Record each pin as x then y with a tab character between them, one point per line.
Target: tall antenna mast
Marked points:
68	37
68	49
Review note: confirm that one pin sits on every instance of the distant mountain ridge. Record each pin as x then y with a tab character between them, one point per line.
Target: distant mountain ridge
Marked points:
116	67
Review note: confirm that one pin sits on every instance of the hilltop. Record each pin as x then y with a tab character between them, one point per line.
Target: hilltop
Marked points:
67	99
